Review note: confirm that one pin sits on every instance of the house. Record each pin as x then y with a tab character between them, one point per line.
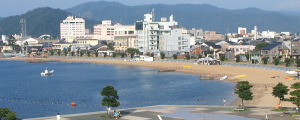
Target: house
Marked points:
295	49
211	49
230	51
272	51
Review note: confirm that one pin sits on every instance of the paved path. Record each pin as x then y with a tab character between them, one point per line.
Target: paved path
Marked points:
182	112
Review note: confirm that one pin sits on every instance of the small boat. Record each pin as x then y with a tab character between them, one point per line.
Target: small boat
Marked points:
224	77
291	72
47	72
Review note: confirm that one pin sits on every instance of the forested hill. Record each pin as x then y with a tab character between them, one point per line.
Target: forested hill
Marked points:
203	16
38	22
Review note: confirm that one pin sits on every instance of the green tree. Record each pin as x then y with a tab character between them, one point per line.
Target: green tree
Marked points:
6	114
114	54
110	46
222	57
81	53
279	91
242	88
298	62
65	52
110	97
276	61
162	55
105	54
265	60
58	52
88	53
132	51
175	56
287	62
259	46
152	55
52	52
96	53
122	55
200	56
295	99
72	53
187	57
237	58
69	48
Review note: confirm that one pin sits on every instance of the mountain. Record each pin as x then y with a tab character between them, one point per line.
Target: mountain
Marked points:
203	16
38	22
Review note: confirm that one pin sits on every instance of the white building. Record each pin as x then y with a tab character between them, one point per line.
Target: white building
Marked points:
268	34
72	28
242	30
254	32
175	41
106	30
149	33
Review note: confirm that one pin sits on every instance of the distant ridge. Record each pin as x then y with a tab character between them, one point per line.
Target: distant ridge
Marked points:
203	16
38	22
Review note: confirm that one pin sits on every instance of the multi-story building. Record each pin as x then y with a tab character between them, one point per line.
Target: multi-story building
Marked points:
295	49
72	28
149	33
106	30
242	30
268	34
230	51
175	41
124	38
213	35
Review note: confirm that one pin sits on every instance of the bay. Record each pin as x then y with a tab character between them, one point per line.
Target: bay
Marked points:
31	95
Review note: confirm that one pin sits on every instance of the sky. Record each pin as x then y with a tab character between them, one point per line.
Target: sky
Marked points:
17	7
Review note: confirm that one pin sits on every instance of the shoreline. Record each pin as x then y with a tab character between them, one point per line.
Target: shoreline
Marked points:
258	77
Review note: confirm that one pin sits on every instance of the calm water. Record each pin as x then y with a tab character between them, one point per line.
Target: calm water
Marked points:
31	95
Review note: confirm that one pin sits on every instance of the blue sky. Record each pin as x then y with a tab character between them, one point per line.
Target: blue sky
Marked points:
17	7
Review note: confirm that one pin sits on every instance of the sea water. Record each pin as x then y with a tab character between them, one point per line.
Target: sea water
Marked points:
31	95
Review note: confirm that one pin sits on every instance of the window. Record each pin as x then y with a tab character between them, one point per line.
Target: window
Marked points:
295	51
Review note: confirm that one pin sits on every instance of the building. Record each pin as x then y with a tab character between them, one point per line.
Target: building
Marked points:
254	32
230	51
72	28
295	49
175	41
272	51
124	38
107	30
242	30
149	33
213	35
268	34
86	41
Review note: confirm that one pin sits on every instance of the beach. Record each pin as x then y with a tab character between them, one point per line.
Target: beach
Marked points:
261	79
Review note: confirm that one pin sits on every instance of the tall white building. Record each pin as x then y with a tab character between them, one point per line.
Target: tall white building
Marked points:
254	32
149	33
72	28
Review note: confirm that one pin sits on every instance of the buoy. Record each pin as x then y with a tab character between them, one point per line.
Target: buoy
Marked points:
73	104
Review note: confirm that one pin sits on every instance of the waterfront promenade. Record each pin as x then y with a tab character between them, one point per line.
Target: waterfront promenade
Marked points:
184	112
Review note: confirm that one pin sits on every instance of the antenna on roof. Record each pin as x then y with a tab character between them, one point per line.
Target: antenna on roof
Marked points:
153	15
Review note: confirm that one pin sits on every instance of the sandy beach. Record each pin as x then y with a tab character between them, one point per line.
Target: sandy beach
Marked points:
258	77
